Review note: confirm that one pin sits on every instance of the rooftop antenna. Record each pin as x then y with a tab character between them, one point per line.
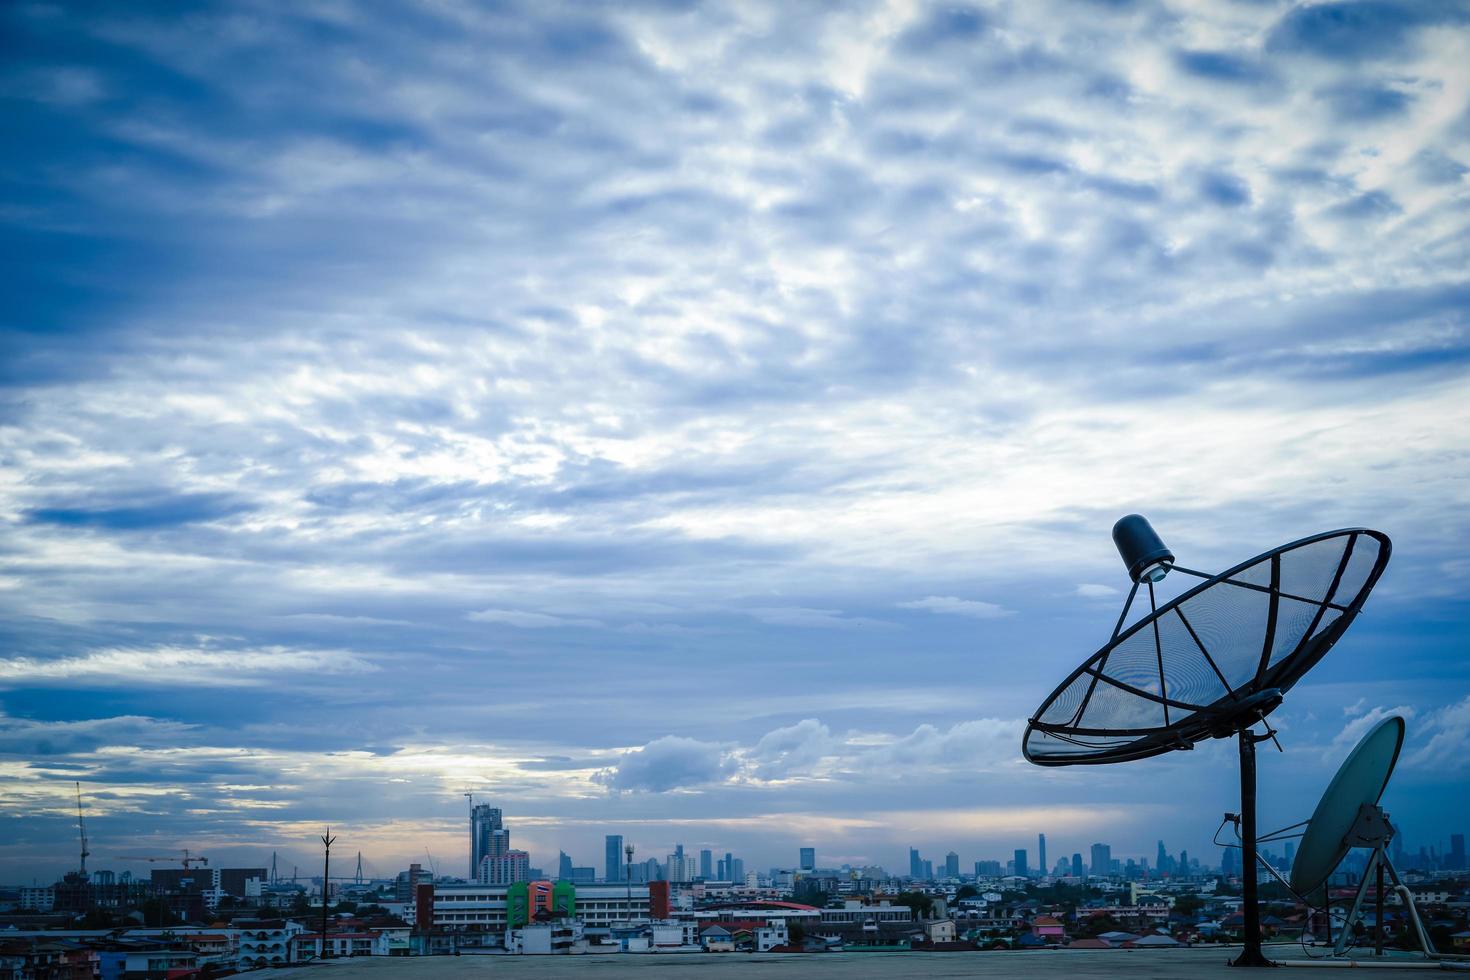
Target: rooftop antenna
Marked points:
628	877
327	841
82	831
1211	663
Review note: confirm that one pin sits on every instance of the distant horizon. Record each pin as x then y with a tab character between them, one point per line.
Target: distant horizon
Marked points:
707	422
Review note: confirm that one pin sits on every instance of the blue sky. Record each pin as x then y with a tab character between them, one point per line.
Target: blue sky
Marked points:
704	421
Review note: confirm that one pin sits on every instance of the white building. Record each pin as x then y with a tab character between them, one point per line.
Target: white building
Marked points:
38	899
544	938
474	907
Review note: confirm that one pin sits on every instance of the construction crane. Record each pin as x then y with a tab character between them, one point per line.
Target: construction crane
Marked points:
186	860
82	830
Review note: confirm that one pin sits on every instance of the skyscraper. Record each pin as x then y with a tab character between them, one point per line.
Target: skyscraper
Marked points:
916	866
485	821
1230	862
564	867
1021	868
951	865
808	858
1162	864
1102	859
1041	867
1077	869
707	865
613	861
1457	852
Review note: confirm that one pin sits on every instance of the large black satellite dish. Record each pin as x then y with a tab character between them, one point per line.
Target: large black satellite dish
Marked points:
1210	663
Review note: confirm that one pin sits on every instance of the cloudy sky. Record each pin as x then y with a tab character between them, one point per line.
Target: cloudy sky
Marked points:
704	421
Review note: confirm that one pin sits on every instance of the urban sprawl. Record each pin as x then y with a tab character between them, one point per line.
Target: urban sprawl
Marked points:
197	920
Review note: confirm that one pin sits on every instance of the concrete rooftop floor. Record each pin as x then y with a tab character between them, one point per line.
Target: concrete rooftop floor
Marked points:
1155	964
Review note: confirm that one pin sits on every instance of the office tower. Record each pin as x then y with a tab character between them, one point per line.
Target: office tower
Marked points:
1041	854
564	867
1021	869
1162	864
505	869
707	864
612	867
1102	859
951	865
1077	870
737	870
1457	852
485	820
1230	862
926	870
916	866
808	858
1184	861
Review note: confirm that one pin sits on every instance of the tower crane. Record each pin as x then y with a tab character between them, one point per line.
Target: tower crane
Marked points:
186	860
82	831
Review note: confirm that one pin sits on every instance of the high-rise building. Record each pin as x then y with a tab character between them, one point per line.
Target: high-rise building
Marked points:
737	870
808	858
926	869
1184	861
951	865
1077	869
564	867
1021	868
1230	862
729	874
916	866
707	864
1456	857
505	869
1162	862
1041	854
613	863
1102	860
485	821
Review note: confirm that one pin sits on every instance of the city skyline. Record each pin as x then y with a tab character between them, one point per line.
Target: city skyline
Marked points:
706	426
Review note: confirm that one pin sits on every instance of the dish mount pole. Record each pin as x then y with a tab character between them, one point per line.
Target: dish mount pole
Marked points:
1251	955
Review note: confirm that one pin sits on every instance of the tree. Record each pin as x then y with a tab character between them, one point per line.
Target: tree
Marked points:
1099	924
156	914
921	904
966	891
1188	904
300	906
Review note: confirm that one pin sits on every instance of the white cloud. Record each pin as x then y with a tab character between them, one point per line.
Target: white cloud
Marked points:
1091	591
815	618
170	666
950	605
793	749
669	763
528	620
1356	728
1447	749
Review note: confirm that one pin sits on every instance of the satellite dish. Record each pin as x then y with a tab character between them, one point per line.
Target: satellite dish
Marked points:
1210	663
1360	781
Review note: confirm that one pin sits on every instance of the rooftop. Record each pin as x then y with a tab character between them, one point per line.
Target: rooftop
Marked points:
1198	963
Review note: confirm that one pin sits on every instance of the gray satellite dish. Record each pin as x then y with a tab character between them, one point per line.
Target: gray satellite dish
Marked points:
1211	663
1349	816
1359	783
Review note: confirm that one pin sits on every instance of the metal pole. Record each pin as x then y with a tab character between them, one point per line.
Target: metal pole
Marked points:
1251	955
327	841
1378	915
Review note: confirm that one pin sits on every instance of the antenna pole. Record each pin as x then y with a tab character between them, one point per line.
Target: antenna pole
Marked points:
327	841
1251	955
